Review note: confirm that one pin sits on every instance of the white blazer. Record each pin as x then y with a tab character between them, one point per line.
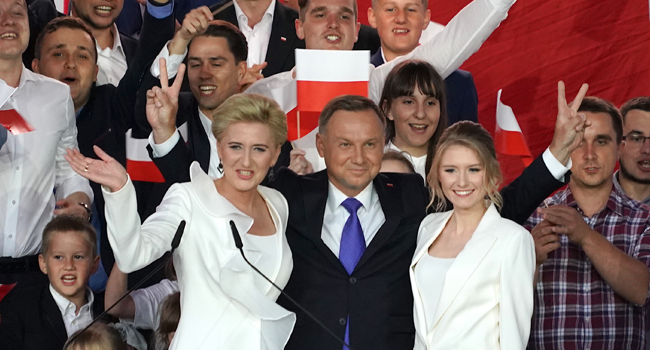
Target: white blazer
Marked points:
222	308
487	298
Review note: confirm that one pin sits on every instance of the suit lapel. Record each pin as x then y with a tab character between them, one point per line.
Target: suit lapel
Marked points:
52	316
467	261
392	207
281	40
197	139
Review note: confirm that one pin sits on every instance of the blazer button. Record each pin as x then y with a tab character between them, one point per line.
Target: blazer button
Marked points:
342	321
353	280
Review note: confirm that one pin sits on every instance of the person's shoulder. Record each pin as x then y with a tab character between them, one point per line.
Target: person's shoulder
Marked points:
290	14
274	196
266	85
52	86
434	220
21	297
404	180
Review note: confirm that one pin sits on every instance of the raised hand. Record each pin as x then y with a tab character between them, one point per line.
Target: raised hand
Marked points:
545	239
107	171
253	74
569	125
298	163
162	104
195	23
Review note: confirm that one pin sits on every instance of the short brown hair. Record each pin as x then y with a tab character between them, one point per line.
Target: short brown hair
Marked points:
170	314
402	81
398	157
250	108
63	22
350	103
69	223
236	40
98	336
475	137
598	105
641	103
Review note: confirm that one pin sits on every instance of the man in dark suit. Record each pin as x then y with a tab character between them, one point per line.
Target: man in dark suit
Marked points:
117	50
65	51
370	303
400	30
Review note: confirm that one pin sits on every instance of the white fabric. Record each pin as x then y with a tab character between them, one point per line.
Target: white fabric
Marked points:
172	61
111	61
32	164
73	321
257	37
162	149
316	65
419	163
487	298
554	166
221	306
432	30
269	259
370	214
147	303
430	275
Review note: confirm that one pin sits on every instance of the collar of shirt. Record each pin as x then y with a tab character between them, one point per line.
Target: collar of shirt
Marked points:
117	45
367	197
382	55
243	20
616	203
67	307
7	91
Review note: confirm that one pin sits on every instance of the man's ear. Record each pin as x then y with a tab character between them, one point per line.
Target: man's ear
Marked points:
427	19
371	18
95	264
41	263
241	70
300	32
320	144
35	65
356	33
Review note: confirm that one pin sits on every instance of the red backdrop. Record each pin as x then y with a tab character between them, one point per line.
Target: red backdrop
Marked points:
605	43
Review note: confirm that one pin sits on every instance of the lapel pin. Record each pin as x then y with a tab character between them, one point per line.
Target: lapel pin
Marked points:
283	38
389	185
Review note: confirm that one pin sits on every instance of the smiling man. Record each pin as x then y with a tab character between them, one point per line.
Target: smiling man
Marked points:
593	250
33	164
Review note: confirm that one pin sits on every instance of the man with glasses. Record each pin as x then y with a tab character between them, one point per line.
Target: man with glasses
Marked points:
634	175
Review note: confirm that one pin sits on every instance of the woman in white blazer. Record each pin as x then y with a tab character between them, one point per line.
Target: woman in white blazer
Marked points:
472	272
225	304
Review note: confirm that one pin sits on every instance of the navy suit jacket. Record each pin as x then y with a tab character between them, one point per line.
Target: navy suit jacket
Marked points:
462	99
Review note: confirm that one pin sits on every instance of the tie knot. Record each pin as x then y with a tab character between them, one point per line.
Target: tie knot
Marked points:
351	205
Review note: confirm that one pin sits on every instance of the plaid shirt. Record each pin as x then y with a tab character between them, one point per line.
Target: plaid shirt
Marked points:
574	307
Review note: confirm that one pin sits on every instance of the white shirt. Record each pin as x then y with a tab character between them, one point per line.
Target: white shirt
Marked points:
162	149
430	275
147	303
270	250
111	61
32	164
257	37
419	163
73	321
370	214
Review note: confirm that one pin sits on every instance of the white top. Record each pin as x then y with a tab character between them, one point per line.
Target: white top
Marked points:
257	37
32	164
370	214
430	275
222	307
73	321
161	150
147	303
419	163
111	61
269	260
487	303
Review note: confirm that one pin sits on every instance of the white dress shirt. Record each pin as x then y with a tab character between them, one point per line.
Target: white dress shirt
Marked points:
370	214
32	164
111	61
162	149
74	321
257	37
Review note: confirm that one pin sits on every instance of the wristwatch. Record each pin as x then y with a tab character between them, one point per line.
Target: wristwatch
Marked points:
88	211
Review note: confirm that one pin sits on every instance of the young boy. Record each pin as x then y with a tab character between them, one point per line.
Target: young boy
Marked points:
44	316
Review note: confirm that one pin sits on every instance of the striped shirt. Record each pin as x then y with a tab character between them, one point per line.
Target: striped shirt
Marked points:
575	308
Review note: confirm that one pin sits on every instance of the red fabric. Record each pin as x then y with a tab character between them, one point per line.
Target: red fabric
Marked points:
143	171
5	288
14	122
603	43
318	93
512	143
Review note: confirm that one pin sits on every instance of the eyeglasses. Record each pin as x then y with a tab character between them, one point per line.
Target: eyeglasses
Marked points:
635	140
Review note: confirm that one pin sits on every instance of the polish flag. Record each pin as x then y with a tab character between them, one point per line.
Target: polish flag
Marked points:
321	76
5	288
509	138
138	163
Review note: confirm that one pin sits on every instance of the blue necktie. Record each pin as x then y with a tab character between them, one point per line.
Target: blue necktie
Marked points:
353	244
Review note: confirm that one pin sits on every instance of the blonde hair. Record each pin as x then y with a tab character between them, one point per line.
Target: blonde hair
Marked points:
475	137
98	336
250	108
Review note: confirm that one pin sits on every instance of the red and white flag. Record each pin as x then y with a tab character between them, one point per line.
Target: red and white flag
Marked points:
509	139
321	76
138	163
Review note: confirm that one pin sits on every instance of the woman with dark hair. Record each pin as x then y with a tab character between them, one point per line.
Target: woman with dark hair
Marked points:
414	102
